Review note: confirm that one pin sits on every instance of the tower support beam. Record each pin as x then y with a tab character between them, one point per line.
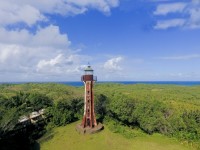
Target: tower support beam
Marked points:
89	123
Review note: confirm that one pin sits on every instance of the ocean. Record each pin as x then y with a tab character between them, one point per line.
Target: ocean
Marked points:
79	83
183	83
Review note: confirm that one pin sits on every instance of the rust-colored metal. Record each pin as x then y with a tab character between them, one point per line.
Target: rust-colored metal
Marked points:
85	78
89	123
89	119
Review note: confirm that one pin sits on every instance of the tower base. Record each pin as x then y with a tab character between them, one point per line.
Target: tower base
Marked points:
88	130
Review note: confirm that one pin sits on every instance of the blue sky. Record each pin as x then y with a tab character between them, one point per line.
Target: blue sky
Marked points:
126	40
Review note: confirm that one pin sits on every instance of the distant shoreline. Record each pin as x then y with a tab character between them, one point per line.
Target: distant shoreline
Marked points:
79	83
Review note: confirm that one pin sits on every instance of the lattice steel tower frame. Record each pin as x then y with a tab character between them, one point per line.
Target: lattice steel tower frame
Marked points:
89	119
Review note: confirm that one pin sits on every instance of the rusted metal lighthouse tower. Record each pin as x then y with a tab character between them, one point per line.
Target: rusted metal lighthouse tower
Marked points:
89	123
89	119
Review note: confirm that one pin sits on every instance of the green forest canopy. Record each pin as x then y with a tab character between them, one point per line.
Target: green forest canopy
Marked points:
167	109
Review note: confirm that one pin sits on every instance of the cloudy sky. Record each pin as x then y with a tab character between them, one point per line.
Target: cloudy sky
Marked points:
126	40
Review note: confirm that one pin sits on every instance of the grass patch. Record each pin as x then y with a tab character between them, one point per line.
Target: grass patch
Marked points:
67	138
128	132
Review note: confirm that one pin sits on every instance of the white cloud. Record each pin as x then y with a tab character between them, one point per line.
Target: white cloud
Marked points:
45	53
11	13
49	36
102	5
42	37
187	15
60	64
194	20
21	46
164	9
165	24
30	12
113	64
14	58
50	65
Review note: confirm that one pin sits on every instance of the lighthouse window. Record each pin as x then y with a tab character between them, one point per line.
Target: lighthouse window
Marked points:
88	92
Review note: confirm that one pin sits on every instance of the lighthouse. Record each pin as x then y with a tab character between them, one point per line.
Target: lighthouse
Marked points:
89	119
89	123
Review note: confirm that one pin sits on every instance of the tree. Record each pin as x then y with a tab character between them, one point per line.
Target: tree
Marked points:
101	102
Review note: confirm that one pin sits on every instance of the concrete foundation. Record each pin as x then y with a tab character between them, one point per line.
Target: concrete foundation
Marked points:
88	130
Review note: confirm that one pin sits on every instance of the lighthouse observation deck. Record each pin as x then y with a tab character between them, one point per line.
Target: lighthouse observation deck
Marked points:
88	78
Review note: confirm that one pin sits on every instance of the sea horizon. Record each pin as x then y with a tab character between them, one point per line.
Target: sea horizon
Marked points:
80	83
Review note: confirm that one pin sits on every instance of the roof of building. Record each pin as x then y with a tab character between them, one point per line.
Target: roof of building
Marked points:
88	68
34	114
23	119
41	111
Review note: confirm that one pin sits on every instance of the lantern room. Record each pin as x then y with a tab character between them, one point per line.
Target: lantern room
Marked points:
88	70
88	76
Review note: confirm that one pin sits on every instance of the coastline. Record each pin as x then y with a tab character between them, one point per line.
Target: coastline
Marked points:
79	83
